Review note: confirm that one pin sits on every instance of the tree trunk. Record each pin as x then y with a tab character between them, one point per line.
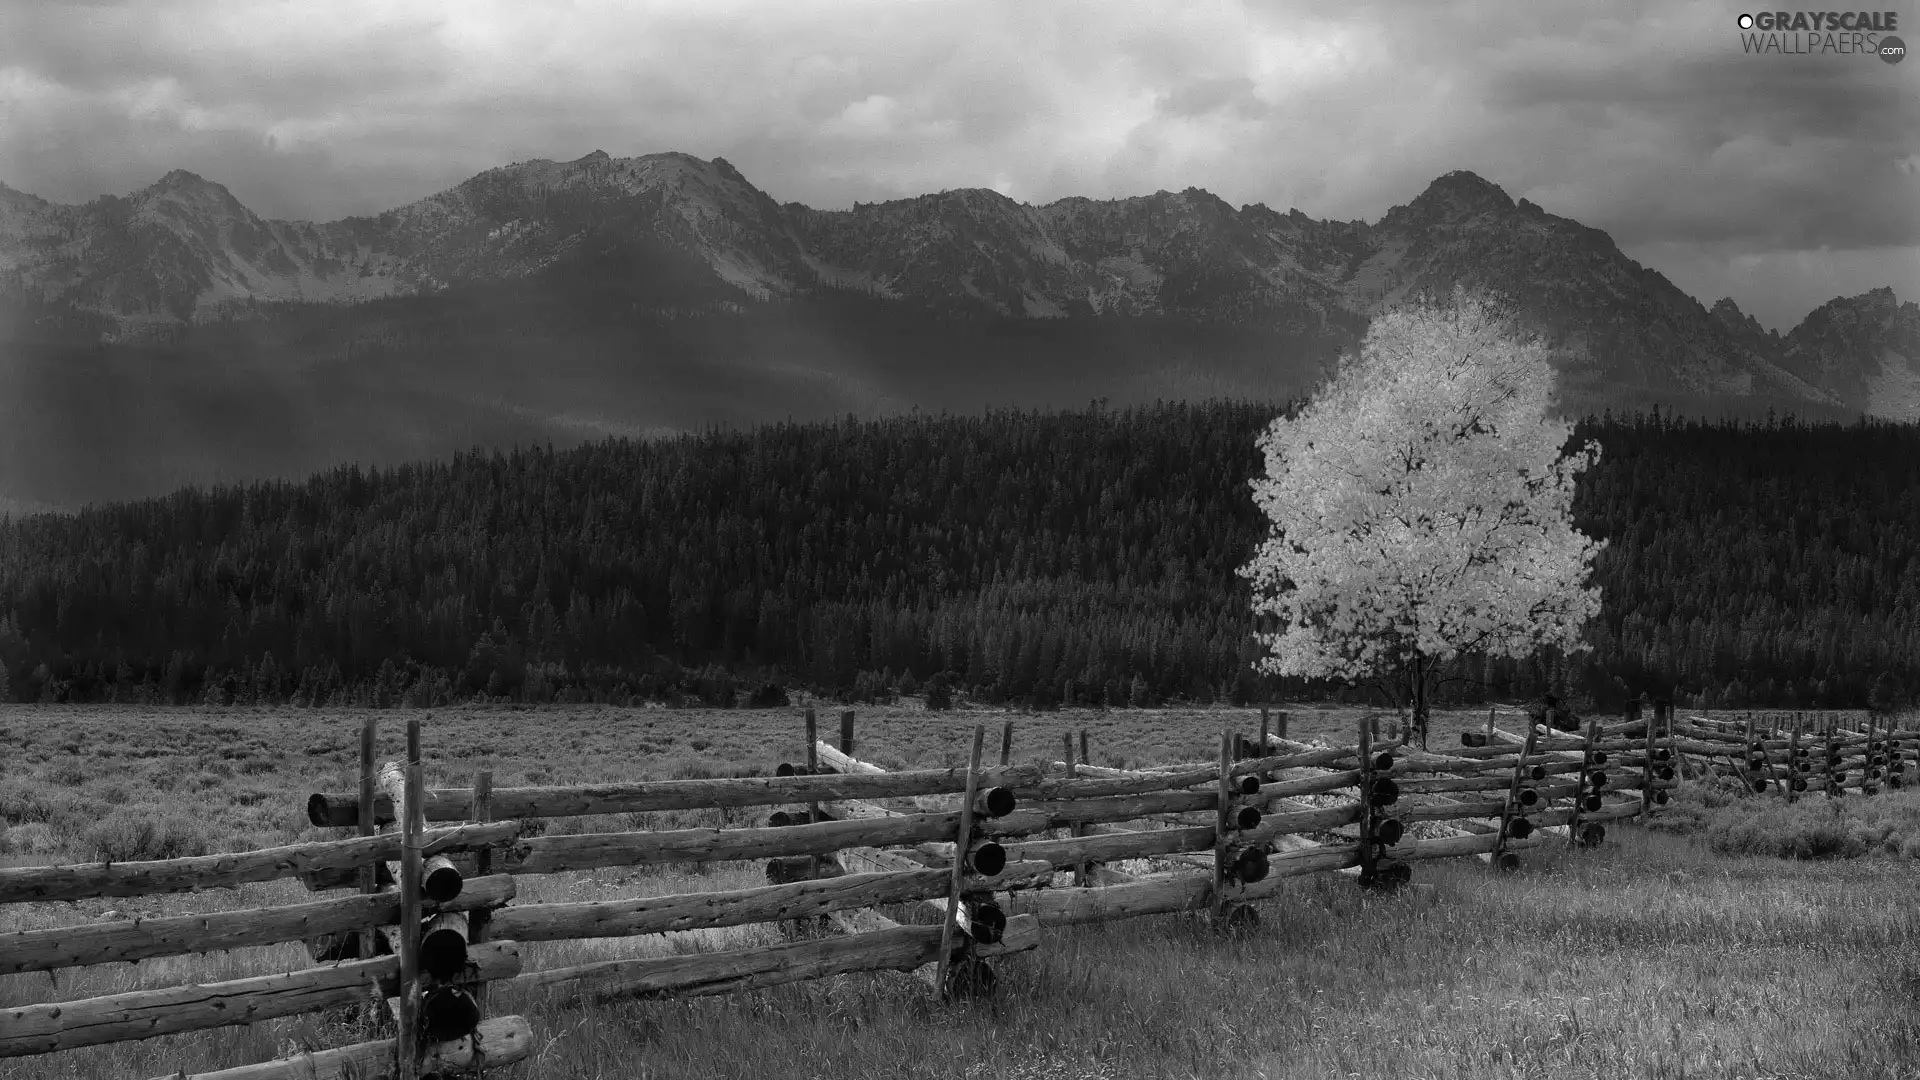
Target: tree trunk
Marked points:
1421	672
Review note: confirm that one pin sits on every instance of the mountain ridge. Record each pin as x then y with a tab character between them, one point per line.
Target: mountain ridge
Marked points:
172	335
199	254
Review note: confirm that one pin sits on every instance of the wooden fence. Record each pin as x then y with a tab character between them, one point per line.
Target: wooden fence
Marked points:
1791	758
934	872
386	949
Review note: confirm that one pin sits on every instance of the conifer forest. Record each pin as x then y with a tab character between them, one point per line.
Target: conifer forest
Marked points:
1034	559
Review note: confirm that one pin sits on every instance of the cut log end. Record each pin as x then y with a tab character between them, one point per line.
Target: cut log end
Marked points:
447	1013
987	858
986	922
443	952
1388	831
997	802
1250	865
319	813
440	879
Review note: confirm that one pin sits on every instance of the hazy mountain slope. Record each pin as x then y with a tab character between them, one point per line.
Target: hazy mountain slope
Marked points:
1864	348
174	335
186	250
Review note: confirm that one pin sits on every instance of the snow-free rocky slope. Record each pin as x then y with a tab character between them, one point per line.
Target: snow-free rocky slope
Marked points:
185	249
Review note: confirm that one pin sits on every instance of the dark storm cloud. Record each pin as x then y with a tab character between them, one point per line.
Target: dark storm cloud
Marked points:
1729	172
1787	151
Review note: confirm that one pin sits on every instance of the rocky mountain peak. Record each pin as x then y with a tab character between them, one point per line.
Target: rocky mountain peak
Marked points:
184	194
1865	348
1455	197
178	179
1740	322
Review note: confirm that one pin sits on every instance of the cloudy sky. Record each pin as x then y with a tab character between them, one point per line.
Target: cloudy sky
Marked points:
1782	181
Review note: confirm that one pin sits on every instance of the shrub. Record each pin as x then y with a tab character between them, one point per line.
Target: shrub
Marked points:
128	835
1731	822
33	838
940	692
768	696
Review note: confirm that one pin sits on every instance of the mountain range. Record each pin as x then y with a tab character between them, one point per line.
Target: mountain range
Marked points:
174	336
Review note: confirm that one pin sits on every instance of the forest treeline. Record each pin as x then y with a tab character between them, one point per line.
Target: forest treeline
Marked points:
1084	557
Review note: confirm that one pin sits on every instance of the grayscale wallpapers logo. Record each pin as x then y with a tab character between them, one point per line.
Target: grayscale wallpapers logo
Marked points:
1804	33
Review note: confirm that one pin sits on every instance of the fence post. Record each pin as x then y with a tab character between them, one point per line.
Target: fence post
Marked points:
1794	783
961	842
1832	759
846	732
1066	745
1773	772
369	879
1265	750
1513	822
1223	805
479	918
1369	857
1869	773
1084	874
1896	759
813	767
407	1045
1006	743
1756	757
1584	789
1660	709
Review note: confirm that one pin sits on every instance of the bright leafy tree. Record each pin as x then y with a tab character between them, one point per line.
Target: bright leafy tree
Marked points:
1421	509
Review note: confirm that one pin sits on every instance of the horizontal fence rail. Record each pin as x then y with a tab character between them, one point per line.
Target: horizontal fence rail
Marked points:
143	1014
27	883
144	939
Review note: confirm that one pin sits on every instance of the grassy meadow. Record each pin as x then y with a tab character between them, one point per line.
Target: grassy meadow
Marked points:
1669	952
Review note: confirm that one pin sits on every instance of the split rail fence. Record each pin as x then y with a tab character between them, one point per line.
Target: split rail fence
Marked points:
1794	759
387	949
933	872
